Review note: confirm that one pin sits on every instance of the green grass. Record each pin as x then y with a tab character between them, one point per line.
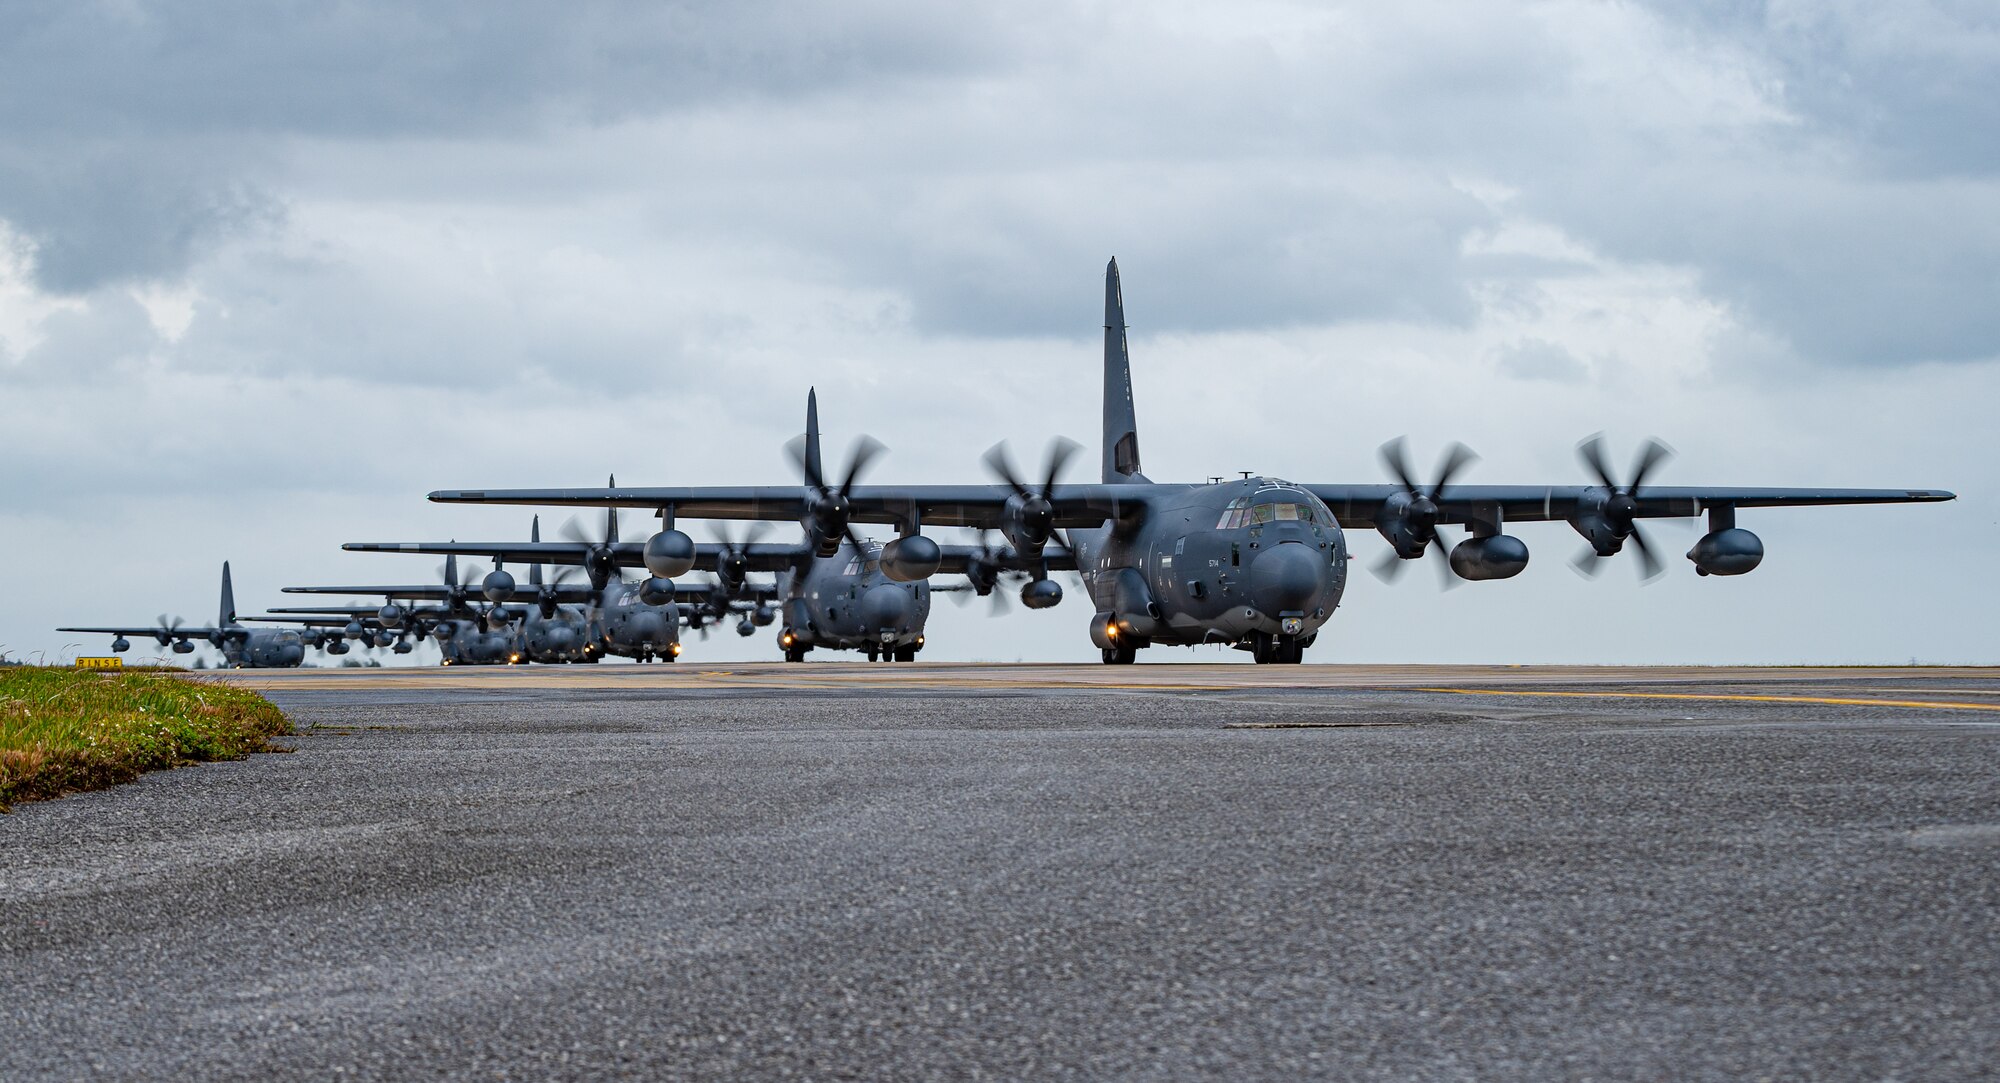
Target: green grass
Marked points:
64	730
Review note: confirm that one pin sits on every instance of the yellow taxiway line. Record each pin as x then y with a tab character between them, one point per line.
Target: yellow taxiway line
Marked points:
1739	697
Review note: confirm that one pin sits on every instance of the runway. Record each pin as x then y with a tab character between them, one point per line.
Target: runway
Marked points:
936	870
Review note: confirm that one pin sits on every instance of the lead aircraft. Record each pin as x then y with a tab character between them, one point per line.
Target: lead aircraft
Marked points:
1259	564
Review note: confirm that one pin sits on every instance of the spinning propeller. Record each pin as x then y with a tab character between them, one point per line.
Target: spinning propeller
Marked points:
600	559
827	507
1619	513
733	562
1031	512
1417	518
169	630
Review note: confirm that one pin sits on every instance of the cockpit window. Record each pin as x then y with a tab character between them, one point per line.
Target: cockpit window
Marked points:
1238	515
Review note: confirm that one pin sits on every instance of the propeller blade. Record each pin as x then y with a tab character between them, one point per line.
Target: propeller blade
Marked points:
1587	563
1061	450
1449	578
1651	454
1001	466
1388	568
1396	457
1649	562
866	448
1456	457
796	450
1591	451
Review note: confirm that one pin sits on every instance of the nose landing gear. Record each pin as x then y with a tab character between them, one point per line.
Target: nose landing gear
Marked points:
1282	650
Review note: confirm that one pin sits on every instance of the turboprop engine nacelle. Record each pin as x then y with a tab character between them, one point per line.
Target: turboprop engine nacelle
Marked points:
1727	552
1500	556
911	558
669	554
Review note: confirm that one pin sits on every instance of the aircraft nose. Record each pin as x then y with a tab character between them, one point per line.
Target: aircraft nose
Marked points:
1287	577
885	608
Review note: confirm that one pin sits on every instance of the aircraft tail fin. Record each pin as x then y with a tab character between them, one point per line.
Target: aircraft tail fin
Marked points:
227	614
611	515
1121	424
813	467
535	569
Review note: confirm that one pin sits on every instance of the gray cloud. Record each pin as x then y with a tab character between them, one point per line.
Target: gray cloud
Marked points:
1538	359
138	133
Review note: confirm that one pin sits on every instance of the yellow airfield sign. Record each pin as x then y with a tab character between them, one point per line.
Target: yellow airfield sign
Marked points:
100	662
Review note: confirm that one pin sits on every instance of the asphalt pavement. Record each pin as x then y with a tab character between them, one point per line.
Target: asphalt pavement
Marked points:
1150	872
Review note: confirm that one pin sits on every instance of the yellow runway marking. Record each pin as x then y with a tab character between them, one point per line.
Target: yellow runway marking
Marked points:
1833	701
1311	724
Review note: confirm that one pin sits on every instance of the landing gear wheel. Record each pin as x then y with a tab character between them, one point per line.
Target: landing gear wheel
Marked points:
1276	650
874	655
906	654
795	654
1120	655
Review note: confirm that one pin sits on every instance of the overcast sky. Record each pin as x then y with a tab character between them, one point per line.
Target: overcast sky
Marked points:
270	272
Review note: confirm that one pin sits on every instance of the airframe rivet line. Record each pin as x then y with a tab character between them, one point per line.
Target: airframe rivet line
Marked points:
1726	697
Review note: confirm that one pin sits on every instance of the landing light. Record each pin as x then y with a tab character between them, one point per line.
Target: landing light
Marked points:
676	648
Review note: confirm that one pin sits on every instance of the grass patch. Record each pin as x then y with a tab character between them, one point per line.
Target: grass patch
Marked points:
64	730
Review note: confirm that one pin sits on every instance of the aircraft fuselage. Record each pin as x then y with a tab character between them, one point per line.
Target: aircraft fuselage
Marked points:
846	602
1257	563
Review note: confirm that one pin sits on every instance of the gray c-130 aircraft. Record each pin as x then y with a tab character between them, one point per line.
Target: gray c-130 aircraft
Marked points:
842	600
1259	564
241	647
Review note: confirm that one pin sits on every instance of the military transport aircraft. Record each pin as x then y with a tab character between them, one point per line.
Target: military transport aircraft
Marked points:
609	615
466	628
1258	564
241	647
838	593
331	628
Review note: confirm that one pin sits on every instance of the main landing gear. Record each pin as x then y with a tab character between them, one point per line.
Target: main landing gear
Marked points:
1122	655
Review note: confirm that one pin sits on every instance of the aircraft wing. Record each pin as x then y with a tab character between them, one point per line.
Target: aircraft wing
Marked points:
316	622
185	631
958	559
930	505
420	591
555	552
363	613
760	556
1361	505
